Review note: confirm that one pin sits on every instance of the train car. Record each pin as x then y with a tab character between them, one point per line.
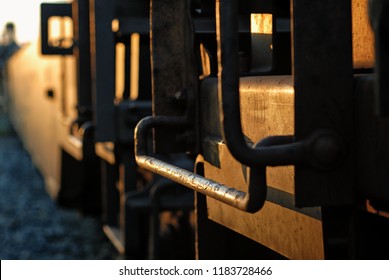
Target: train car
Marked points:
213	129
290	157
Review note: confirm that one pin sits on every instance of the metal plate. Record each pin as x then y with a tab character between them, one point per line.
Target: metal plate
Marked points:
286	231
267	106
363	41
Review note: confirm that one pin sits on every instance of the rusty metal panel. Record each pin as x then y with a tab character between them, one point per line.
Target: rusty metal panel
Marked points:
363	38
174	74
269	111
267	106
278	226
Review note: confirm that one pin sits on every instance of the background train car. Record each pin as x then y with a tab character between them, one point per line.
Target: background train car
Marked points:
42	93
85	86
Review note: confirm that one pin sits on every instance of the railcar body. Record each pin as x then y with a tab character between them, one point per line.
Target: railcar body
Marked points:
214	129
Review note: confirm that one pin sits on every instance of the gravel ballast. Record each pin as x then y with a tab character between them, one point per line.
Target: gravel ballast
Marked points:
32	226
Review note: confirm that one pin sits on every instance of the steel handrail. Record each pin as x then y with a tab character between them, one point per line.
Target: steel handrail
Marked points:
252	201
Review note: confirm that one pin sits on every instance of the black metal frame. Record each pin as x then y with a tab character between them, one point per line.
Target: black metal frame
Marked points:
49	10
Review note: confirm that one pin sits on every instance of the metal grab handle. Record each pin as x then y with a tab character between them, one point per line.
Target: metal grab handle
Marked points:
49	10
252	201
321	149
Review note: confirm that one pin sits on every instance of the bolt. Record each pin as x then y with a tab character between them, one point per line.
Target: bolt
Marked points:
326	149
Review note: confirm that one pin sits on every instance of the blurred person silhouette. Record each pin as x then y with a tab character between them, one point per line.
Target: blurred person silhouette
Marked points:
8	46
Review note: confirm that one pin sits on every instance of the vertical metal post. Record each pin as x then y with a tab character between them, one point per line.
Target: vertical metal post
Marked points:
323	81
80	11
174	78
103	68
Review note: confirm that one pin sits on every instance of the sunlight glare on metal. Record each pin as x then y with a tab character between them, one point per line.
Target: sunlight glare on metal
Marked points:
261	23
